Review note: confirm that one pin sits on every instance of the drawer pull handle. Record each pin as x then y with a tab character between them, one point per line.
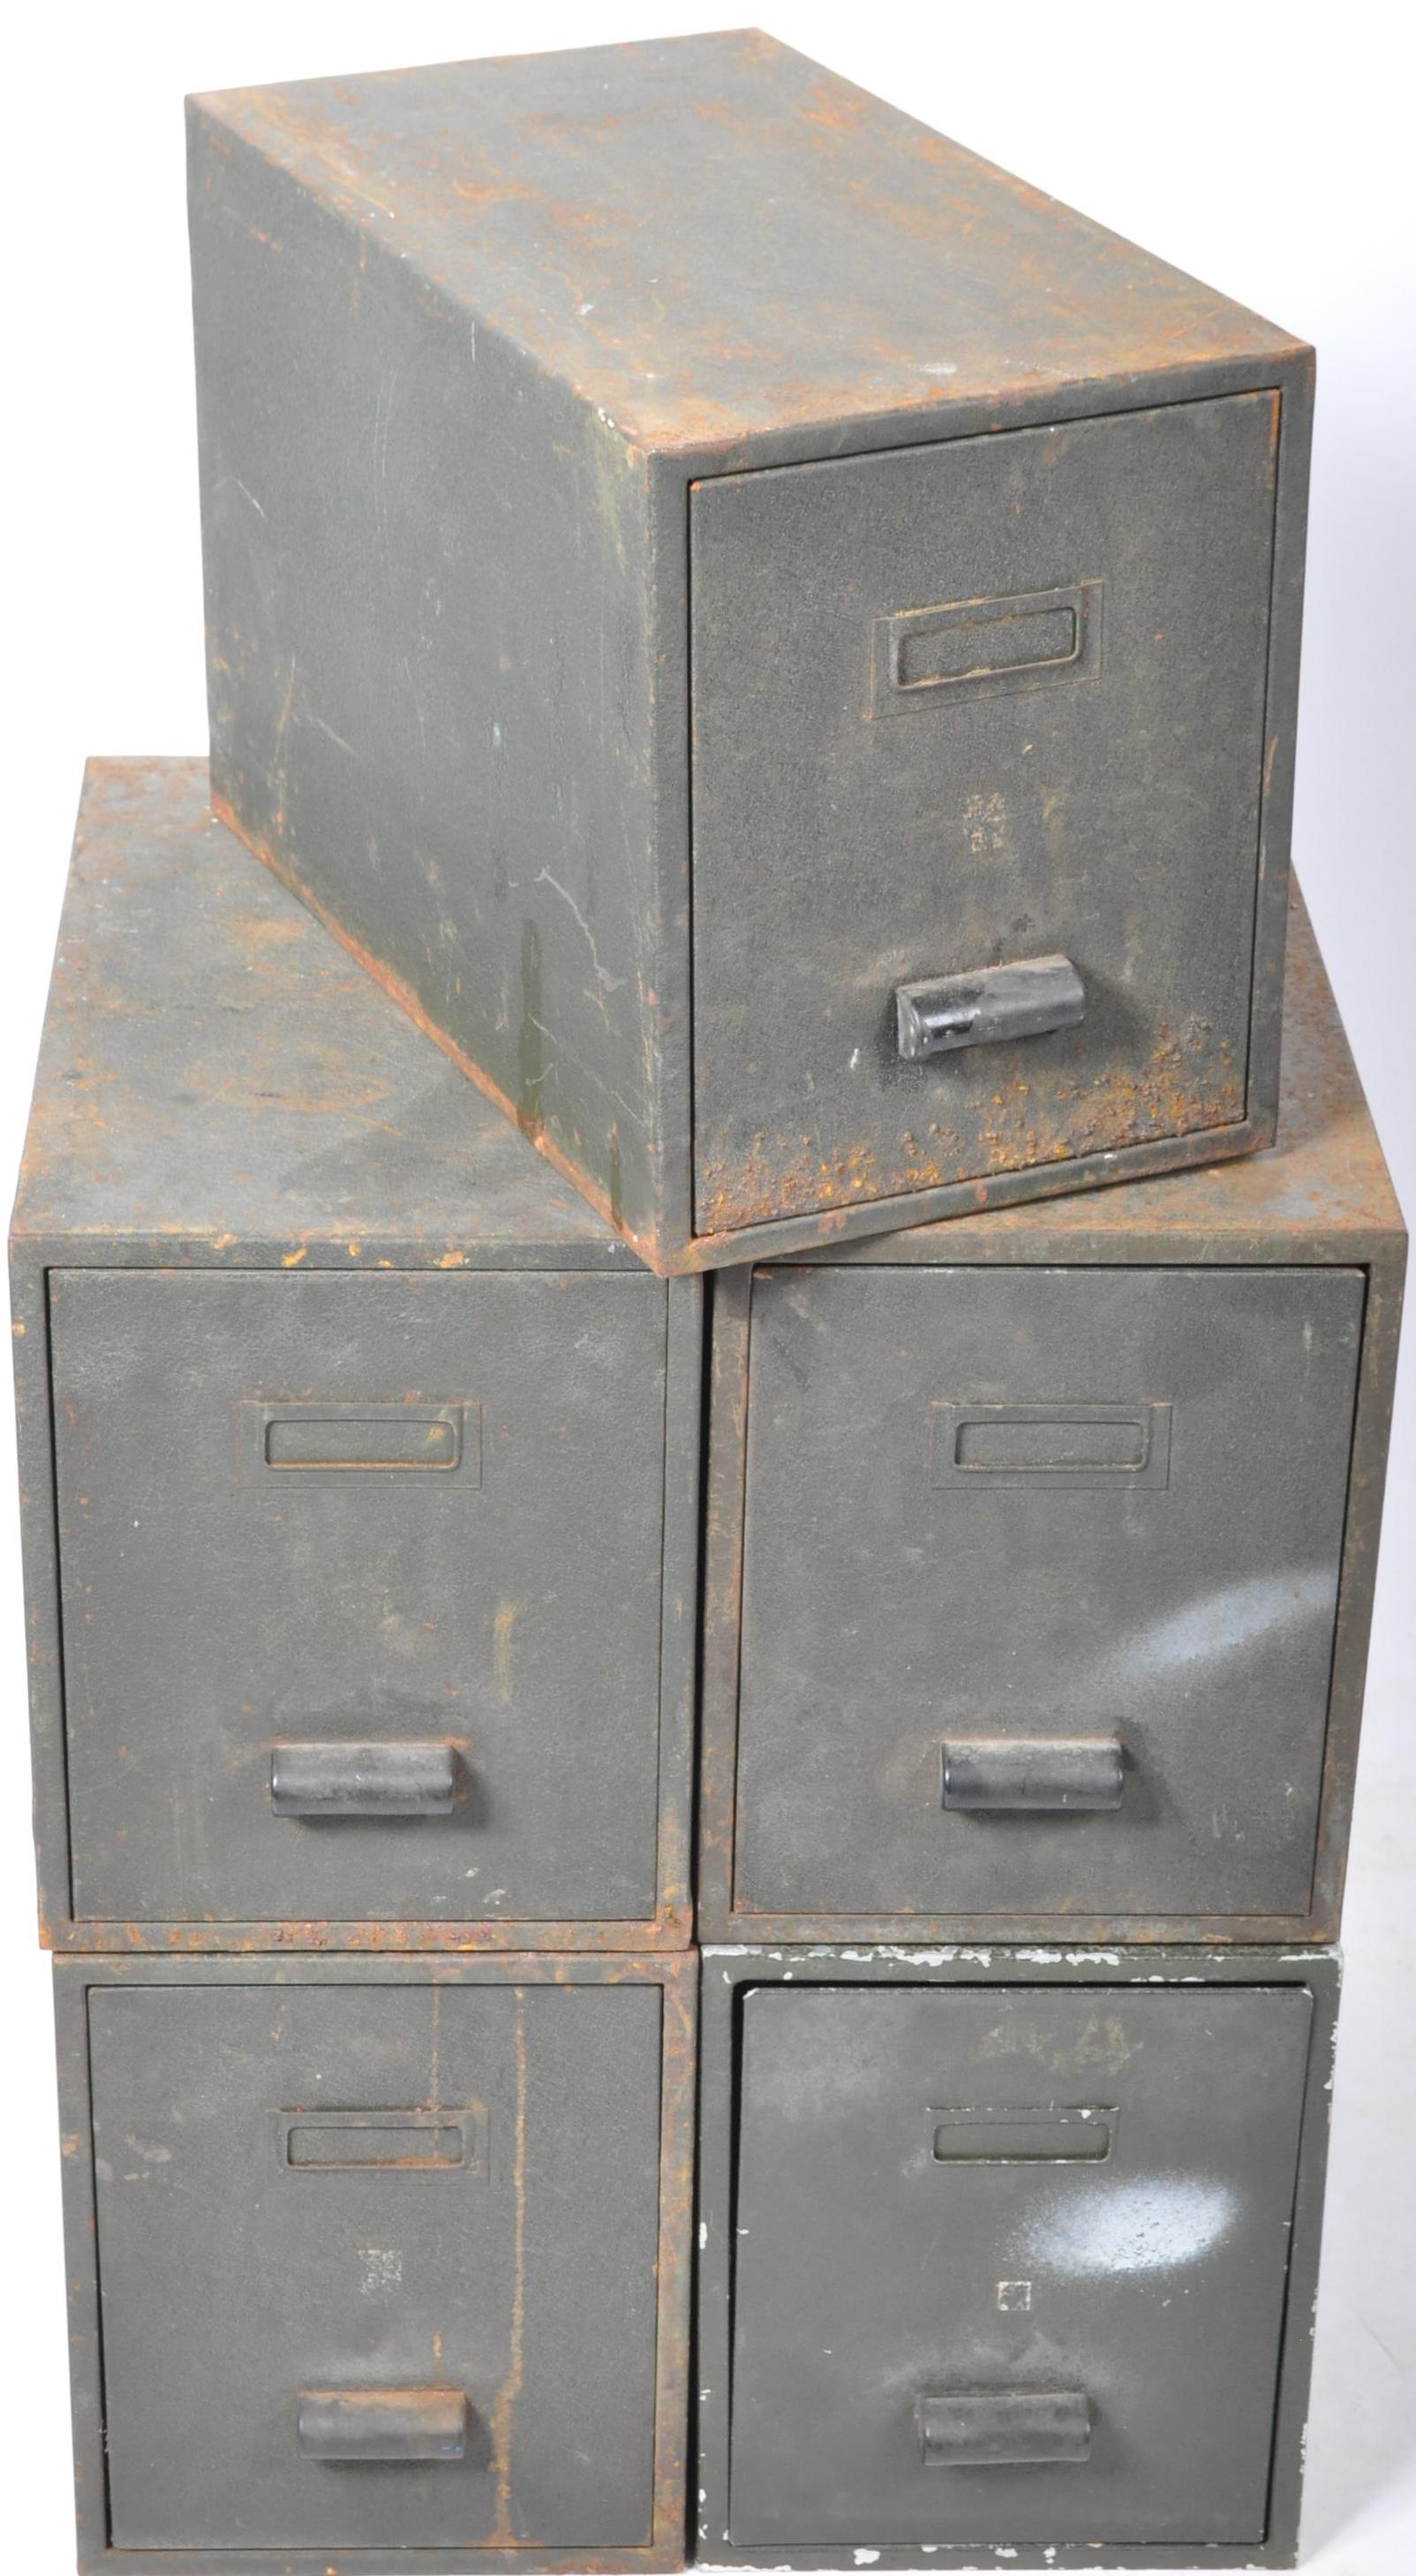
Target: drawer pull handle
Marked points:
986	2428
987	1007
382	2424
353	1780
1032	1775
964	648
1081	2133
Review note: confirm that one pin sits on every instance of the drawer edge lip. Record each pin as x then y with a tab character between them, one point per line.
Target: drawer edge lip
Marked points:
501	2561
1317	1964
1149	1933
819	1230
673	1969
976	2555
670	1930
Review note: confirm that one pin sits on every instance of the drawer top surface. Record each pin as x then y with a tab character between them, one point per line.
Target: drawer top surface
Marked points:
217	1072
822	258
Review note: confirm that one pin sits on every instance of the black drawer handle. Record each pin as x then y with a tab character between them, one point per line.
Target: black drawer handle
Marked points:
1002	2428
356	1780
987	1006
1033	1775
382	2424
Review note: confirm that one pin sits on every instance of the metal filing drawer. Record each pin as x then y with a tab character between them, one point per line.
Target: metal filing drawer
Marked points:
1012	2256
378	2258
360	1462
847	845
310	1525
991	1509
1038	1580
777	643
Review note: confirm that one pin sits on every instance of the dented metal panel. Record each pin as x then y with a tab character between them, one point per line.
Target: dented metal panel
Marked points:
486	353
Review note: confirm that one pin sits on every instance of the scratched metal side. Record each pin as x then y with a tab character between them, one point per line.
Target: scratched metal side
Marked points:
426	580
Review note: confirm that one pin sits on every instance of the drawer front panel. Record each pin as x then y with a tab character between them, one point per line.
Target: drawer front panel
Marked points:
377	2264
1039	1587
361	1587
991	705
1011	2265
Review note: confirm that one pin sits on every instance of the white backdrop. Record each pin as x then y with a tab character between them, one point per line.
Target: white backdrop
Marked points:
1264	147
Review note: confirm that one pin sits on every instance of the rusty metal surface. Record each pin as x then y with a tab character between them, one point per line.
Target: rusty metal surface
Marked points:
734	303
470	339
1110	816
1324	1178
220	1092
1099	1979
1320	1197
676	1977
215	1072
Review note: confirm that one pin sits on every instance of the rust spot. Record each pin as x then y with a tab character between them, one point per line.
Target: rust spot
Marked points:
1019	1130
504	2407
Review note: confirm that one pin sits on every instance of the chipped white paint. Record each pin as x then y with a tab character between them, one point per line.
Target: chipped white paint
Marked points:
937	1958
702	2235
1070	1958
866	2557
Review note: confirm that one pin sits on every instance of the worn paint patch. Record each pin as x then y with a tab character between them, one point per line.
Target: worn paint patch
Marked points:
1158	2225
502	1628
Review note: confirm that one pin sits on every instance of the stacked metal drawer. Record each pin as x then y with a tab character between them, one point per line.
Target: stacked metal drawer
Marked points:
360	1473
1040	1551
777	647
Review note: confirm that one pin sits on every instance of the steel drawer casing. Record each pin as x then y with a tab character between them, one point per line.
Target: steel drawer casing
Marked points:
935	2180
1040	1554
355	1454
451	2178
847	570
